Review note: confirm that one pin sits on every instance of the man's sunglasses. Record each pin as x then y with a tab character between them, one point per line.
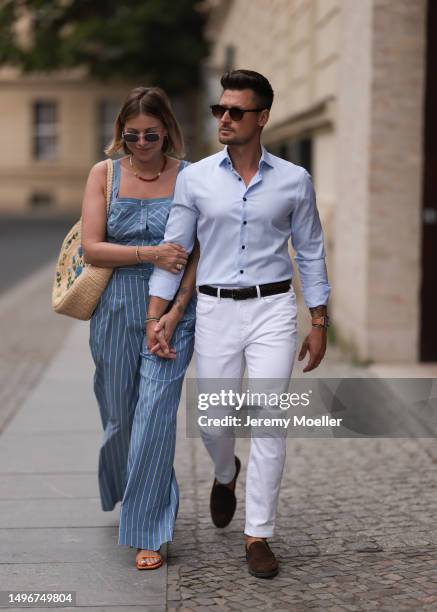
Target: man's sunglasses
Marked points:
235	113
134	137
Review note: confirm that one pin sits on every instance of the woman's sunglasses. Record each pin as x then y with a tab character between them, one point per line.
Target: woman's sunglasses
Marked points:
235	113
134	137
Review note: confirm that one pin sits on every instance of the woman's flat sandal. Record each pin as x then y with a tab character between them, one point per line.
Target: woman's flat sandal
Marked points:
148	566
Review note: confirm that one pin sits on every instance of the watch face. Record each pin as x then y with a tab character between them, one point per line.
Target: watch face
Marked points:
323	321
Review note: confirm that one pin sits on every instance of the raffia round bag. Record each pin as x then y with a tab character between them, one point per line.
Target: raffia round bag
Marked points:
77	286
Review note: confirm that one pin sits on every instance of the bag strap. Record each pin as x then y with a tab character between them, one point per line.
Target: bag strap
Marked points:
109	177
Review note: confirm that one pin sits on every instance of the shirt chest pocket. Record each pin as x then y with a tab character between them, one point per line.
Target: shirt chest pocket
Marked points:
157	216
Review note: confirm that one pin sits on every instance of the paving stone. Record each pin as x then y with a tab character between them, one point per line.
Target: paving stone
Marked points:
354	526
56	537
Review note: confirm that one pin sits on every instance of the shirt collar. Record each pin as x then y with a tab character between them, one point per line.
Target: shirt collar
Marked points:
266	158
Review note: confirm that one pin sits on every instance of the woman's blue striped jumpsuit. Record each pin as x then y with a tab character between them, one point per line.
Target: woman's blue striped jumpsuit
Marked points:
138	393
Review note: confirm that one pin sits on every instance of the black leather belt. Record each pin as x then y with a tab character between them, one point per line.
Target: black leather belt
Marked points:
245	293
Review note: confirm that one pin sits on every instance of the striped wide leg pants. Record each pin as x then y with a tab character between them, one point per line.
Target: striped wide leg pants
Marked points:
138	396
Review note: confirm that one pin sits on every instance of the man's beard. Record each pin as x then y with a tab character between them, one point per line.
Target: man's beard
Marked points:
232	139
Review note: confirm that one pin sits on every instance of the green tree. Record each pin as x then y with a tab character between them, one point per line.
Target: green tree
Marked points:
161	40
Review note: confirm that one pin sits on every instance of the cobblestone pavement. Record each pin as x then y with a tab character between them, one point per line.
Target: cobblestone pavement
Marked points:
356	530
30	335
356	523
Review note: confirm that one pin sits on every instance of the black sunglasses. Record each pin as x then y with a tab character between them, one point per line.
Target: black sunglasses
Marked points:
235	113
134	137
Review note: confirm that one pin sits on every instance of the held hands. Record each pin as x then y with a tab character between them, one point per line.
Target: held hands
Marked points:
170	257
159	334
315	343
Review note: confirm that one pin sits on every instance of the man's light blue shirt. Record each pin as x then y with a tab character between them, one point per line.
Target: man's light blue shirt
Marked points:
243	231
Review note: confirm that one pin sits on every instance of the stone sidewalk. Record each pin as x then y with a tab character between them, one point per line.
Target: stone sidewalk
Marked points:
54	534
356	522
356	528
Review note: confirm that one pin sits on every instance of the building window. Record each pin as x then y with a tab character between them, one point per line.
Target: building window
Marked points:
229	63
45	130
299	151
41	200
108	111
305	153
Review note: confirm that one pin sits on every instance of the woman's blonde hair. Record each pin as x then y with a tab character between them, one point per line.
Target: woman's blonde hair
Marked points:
151	101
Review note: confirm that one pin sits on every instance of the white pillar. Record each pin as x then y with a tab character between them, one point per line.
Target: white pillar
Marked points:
377	219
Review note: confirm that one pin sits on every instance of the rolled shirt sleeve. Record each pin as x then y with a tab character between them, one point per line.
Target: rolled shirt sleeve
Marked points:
180	229
307	240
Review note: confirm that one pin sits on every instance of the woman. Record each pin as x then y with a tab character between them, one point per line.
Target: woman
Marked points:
138	392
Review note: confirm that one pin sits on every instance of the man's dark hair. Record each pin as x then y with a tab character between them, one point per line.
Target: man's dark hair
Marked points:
249	79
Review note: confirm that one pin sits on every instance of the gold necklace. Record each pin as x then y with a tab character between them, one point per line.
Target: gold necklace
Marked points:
155	178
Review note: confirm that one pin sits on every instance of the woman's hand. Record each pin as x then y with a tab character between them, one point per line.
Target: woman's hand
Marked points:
170	257
160	333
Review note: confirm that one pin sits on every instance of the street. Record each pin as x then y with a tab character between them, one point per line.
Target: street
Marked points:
356	522
28	243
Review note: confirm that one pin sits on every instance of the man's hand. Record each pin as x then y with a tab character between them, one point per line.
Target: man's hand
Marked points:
159	335
315	343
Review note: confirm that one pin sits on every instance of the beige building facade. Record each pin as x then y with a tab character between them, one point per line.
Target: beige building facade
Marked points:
350	91
55	128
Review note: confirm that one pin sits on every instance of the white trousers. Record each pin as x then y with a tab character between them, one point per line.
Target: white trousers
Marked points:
259	334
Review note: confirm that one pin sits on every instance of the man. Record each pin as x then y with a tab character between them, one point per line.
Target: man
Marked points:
245	204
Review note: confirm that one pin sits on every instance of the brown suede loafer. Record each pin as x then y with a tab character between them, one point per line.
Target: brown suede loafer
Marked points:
223	502
261	561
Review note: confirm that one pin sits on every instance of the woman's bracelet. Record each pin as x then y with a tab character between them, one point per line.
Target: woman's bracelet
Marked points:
152	319
137	254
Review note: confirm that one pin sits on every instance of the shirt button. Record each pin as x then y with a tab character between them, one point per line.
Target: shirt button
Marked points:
241	271
244	222
239	178
243	247
244	199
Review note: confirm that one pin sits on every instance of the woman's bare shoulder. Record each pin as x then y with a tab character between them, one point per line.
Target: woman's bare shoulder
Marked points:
100	168
98	173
